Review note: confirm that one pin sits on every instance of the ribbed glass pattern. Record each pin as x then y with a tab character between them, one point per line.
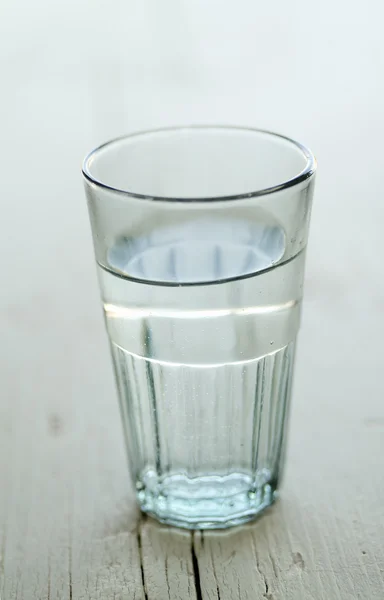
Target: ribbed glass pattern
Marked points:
205	443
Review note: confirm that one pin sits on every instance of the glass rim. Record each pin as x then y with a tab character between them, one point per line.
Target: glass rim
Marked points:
308	171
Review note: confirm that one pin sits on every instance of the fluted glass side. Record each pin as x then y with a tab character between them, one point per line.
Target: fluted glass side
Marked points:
205	444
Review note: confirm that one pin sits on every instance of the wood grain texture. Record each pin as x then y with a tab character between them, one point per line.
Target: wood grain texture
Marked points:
74	74
167	562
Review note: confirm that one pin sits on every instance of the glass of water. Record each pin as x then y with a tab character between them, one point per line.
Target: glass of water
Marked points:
200	236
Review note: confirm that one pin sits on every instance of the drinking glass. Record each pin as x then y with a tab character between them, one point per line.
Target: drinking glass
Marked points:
200	236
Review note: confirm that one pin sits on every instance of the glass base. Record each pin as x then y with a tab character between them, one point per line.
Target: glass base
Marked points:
208	502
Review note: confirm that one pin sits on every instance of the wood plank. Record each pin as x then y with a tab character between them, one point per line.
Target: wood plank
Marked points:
167	562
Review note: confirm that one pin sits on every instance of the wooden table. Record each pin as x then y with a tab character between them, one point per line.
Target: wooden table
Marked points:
74	74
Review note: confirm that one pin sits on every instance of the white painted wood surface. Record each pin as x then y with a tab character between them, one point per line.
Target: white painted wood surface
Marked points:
74	74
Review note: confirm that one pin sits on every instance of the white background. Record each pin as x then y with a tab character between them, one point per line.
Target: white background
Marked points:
74	74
